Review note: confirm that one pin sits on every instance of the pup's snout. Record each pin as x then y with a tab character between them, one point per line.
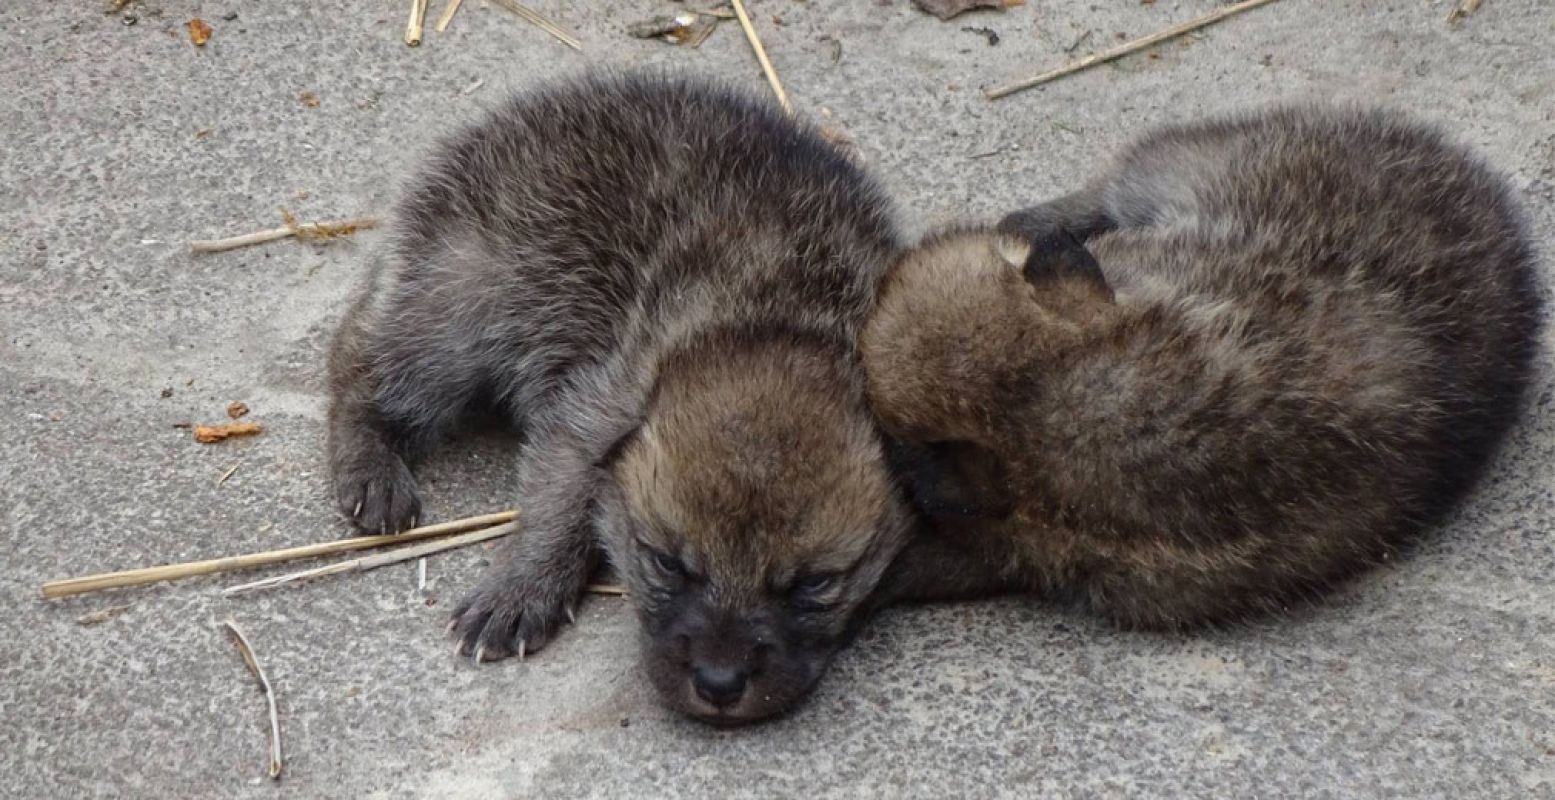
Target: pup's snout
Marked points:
720	687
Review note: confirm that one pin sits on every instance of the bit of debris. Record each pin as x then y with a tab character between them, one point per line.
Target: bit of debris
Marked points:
1126	48
199	32
945	9
167	392
230	16
836	47
472	87
183	426
236	409
308	231
129	19
613	589
660	26
692	27
247	651
308	99
1075	45
987	33
206	434
101	615
418	14
227	474
1462	9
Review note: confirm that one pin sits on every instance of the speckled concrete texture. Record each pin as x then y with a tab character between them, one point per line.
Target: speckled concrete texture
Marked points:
1434	677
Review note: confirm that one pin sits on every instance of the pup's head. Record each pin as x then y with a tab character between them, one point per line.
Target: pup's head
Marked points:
752	515
954	351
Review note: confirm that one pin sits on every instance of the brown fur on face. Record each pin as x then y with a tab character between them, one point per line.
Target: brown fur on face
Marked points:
1253	358
759	516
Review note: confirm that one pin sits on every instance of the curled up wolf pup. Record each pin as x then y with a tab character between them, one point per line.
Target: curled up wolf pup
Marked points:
660	283
1253	357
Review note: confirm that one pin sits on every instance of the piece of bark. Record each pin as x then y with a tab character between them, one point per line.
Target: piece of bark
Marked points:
206	434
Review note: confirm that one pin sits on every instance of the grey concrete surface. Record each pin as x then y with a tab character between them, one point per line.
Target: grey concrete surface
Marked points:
1434	677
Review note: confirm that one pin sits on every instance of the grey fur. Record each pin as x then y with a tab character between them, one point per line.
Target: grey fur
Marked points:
586	251
1309	330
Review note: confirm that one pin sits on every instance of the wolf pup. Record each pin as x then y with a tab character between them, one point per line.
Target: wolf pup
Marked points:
661	283
1252	358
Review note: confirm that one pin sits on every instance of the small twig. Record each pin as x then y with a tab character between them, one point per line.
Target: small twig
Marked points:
138	577
228	474
1126	48
448	14
373	562
247	651
606	588
539	21
1462	9
421	575
306	230
761	55
418	13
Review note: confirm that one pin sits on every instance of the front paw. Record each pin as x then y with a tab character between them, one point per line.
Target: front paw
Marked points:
515	611
378	496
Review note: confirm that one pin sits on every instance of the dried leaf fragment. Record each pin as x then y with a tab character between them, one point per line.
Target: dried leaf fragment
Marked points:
309	99
206	434
945	9
237	408
199	32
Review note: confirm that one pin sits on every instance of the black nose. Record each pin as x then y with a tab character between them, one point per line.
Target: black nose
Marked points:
719	686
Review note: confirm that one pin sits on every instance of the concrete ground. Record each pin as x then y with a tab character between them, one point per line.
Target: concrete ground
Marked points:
1432	678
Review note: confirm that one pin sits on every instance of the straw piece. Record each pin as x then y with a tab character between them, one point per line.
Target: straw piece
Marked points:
418	14
761	55
448	14
373	562
247	651
1125	49
540	21
137	577
306	230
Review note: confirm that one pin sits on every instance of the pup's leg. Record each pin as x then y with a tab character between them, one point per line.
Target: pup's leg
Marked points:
1082	215
535	581
393	392
948	565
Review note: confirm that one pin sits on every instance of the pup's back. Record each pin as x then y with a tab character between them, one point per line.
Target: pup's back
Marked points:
1300	340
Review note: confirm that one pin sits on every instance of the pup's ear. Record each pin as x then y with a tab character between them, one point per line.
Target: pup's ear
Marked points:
953	479
1058	255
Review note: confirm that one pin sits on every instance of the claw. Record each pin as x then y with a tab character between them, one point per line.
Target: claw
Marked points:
520	649
480	653
357	512
572	618
449	628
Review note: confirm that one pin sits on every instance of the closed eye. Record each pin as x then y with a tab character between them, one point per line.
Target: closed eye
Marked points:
668	564
815	584
815	591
